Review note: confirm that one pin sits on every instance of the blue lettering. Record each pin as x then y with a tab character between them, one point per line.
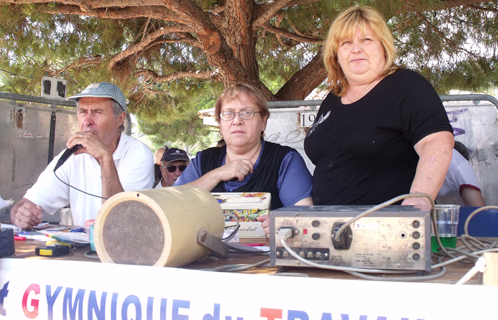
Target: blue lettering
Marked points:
216	314
346	317
326	316
114	303
138	308
94	307
180	304
51	300
68	303
150	307
3	294
295	314
163	309
381	318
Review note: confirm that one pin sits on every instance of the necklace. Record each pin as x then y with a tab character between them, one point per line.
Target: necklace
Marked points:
362	93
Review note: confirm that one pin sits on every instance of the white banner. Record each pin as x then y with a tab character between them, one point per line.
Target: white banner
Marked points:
51	289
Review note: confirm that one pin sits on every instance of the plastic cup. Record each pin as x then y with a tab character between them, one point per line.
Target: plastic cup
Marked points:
447	223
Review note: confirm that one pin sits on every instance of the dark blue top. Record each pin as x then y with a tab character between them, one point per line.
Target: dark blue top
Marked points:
294	179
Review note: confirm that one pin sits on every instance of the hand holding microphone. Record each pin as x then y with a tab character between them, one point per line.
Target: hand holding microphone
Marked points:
69	151
66	156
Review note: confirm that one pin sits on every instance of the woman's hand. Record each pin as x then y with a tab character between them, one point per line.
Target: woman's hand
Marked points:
422	201
237	169
265	224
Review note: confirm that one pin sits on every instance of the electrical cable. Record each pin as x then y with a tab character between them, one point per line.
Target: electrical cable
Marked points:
91	255
469	242
359	272
467	221
338	268
400	279
394	200
380	206
447	262
67	184
480	266
237	226
239	267
240	248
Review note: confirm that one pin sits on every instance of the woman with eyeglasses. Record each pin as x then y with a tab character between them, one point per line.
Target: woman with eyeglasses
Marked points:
247	163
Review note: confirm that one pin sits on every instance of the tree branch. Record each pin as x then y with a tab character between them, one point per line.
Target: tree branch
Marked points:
145	42
185	38
265	12
90	4
190	12
293	26
442	34
291	35
80	63
159	13
304	81
152	77
279	38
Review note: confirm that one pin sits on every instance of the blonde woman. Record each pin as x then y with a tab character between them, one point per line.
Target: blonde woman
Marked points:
382	131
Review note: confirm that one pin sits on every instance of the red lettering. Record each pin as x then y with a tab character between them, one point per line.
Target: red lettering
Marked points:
271	314
34	302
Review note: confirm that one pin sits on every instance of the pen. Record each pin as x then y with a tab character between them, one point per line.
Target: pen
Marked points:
78	230
19	238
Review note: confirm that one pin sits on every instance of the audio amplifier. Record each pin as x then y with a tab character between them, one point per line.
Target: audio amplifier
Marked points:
394	237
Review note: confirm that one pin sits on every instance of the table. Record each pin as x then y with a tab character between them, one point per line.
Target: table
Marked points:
73	286
25	249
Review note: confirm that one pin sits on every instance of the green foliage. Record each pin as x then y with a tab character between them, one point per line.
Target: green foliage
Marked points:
455	48
173	119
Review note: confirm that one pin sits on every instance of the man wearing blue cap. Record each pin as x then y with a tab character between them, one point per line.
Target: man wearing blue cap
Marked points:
106	162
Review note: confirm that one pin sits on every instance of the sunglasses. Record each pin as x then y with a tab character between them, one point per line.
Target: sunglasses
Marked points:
172	169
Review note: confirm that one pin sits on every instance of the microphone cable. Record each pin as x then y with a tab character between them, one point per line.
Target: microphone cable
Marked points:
61	161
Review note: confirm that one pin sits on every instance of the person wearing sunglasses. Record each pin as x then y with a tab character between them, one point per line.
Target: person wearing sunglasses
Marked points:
158	176
173	162
248	163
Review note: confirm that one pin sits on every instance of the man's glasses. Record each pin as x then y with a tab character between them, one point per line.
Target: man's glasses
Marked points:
244	115
172	169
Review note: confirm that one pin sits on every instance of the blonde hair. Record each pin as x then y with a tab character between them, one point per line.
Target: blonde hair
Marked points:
232	92
344	27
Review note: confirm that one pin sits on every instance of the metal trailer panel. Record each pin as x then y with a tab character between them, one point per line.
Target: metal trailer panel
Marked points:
24	142
475	125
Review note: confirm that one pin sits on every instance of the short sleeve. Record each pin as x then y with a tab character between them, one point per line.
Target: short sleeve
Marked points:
294	181
48	191
422	111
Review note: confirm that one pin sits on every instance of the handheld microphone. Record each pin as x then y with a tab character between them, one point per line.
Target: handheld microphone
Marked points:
66	155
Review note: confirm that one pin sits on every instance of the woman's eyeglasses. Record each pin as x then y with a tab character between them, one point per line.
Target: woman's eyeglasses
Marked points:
244	115
172	169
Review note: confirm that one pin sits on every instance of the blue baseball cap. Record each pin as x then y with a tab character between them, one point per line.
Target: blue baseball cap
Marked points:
102	90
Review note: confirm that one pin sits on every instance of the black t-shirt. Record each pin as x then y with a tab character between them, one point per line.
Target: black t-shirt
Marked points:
363	152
